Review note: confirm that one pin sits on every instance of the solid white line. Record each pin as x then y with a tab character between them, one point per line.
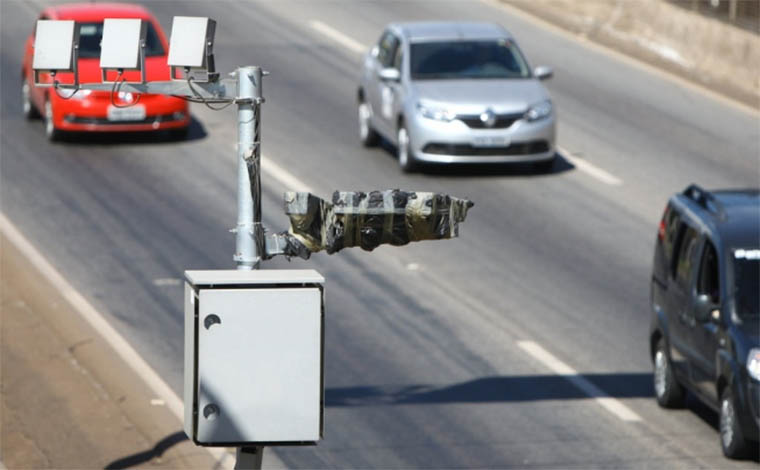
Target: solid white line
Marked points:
612	405
590	169
109	334
287	179
623	57
338	37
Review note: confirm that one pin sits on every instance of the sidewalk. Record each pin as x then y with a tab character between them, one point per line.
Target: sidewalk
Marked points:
67	401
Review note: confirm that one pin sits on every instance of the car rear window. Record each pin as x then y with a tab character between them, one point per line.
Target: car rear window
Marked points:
90	35
747	283
466	60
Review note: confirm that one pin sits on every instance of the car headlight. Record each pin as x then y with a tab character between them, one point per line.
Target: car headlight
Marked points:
753	363
436	113
539	111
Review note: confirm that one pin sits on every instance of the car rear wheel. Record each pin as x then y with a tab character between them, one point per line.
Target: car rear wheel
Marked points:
30	112
669	393
367	134
405	155
51	132
731	439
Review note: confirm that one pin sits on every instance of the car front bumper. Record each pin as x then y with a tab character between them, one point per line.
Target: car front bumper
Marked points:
455	142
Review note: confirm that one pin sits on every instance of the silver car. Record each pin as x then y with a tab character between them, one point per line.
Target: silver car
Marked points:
455	93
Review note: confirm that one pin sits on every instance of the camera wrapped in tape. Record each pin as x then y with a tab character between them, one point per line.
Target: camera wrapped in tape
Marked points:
369	219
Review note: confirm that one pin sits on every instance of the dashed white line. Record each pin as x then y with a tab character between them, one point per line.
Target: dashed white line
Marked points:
590	169
287	179
612	405
338	37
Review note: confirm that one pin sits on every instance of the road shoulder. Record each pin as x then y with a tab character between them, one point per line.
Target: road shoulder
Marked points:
68	401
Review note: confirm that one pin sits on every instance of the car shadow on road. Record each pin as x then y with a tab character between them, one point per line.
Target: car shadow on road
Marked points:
196	131
516	169
494	389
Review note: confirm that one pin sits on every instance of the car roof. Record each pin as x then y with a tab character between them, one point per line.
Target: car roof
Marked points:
429	30
97	11
733	215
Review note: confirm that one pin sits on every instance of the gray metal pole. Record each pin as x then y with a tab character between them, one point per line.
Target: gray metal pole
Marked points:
249	232
249	243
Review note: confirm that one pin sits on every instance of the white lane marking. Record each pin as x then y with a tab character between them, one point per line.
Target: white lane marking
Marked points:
167	281
287	179
623	57
590	169
337	36
612	405
107	332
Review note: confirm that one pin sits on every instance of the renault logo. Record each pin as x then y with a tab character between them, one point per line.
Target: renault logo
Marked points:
488	118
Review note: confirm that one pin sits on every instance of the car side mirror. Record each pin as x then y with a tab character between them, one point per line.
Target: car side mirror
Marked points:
374	51
705	310
543	72
389	75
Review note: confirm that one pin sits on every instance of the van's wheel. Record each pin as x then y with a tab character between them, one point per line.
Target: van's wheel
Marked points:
404	150
669	393
51	132
367	135
28	109
731	439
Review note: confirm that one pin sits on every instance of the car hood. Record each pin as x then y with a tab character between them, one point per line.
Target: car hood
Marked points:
513	95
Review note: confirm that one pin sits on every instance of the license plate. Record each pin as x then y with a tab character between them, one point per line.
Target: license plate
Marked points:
491	141
132	113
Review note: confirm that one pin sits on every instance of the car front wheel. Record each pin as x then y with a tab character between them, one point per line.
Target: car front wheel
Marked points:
405	155
51	132
367	134
731	439
669	393
30	112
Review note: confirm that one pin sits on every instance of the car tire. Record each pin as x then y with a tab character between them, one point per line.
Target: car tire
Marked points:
27	107
51	132
667	390
731	438
403	150
367	135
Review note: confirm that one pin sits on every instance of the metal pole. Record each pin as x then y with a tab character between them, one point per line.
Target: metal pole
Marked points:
249	243
249	231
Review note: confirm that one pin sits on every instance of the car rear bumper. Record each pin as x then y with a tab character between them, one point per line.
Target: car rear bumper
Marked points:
455	142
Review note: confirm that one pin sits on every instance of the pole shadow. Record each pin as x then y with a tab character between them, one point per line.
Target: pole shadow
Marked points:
139	458
492	390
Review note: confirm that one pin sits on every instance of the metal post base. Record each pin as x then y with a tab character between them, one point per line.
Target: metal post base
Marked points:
249	458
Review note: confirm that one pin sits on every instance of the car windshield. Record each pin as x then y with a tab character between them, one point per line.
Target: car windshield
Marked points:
90	35
747	280
467	59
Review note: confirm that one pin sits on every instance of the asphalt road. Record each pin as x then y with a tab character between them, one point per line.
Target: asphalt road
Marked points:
440	354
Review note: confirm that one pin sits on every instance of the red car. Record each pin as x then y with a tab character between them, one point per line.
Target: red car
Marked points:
94	111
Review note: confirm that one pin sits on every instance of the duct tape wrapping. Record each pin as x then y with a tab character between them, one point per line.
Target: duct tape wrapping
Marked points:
369	219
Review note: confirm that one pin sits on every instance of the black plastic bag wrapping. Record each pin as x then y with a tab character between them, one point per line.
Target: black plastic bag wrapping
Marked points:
370	219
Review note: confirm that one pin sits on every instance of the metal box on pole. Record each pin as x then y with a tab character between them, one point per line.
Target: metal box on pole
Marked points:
254	351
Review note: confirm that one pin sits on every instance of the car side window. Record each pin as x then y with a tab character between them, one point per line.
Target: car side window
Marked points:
708	281
386	49
686	250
